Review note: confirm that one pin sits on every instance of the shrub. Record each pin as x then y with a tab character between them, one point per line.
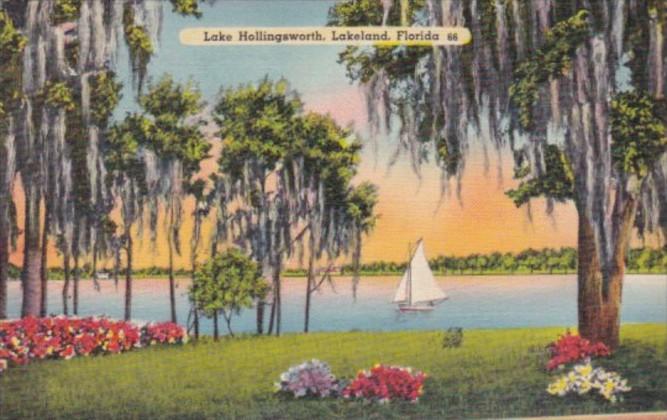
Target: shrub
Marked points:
452	338
312	378
584	378
28	339
386	383
571	348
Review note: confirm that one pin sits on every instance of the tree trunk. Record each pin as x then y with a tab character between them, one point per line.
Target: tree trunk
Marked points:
172	283
600	289
309	284
77	278
44	273
116	266
66	284
276	282
195	312
128	278
32	252
260	316
4	255
216	331
228	320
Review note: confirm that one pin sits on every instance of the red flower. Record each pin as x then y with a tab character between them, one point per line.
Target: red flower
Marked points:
63	338
572	348
386	383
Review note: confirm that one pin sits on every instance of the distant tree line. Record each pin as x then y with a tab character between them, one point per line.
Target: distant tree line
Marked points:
546	260
531	261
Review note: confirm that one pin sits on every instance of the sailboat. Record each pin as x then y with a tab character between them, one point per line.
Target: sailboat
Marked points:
418	290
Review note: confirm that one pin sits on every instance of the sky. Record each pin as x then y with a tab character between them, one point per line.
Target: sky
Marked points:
483	220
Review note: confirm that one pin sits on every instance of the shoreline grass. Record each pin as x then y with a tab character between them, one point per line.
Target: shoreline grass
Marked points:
495	373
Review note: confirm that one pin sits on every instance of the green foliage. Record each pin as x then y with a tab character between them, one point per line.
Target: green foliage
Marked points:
548	62
257	124
362	63
557	181
186	7
228	282
330	154
138	42
104	96
361	206
121	153
59	95
167	105
65	11
12	43
639	136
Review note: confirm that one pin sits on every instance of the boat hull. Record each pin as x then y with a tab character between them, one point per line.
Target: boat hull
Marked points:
407	308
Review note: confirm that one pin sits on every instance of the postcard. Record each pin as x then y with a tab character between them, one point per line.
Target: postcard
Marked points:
423	209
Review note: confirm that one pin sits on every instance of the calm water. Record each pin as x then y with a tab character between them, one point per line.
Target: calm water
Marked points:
474	302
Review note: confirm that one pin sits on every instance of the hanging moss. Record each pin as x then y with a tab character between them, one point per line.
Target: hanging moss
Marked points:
138	42
549	62
488	23
59	95
72	53
12	43
65	11
186	7
639	136
557	181
104	97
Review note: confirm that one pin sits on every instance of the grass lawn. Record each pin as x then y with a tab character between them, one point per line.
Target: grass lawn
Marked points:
495	373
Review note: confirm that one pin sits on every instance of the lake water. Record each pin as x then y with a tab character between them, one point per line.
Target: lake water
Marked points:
474	302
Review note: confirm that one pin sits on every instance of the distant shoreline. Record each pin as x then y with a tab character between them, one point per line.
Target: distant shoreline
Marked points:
363	274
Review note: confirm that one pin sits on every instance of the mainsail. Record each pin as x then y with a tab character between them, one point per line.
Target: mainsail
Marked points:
418	286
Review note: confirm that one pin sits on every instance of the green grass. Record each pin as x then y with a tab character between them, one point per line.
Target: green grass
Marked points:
495	373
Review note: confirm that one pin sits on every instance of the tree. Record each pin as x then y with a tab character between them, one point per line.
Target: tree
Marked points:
556	65
60	144
12	44
201	210
333	215
227	283
257	128
173	147
126	177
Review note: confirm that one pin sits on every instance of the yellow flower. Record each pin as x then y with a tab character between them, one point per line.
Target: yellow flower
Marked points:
559	387
584	370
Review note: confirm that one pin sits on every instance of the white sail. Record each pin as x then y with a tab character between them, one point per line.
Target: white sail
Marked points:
418	286
401	295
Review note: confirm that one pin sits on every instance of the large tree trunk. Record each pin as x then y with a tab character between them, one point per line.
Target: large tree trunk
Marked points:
66	284
32	252
128	278
44	274
599	288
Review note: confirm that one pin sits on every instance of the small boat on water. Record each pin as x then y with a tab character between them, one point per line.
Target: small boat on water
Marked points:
418	290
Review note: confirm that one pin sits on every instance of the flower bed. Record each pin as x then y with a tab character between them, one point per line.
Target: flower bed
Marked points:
28	339
312	378
584	378
571	348
386	383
